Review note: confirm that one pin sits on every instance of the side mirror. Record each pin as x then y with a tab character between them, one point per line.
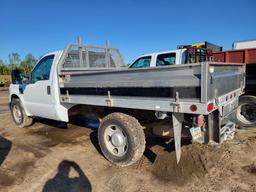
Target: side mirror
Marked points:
19	78
26	78
16	76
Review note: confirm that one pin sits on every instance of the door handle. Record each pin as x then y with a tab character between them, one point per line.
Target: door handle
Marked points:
49	90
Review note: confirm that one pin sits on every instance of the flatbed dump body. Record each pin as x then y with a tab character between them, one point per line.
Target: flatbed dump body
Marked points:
165	88
169	88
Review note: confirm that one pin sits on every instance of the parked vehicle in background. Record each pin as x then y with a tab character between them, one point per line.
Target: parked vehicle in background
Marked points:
2	83
184	54
247	44
5	80
246	113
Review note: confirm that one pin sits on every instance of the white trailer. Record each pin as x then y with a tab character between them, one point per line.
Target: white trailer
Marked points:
246	44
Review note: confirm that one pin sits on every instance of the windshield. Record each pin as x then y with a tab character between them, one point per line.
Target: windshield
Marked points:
142	62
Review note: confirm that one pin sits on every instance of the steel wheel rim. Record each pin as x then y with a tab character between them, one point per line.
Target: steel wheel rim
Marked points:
17	114
247	113
116	140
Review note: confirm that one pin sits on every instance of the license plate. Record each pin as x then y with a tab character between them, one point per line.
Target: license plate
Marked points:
195	132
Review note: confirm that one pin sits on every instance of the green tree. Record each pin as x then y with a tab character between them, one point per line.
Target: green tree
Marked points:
28	63
14	60
4	69
1	62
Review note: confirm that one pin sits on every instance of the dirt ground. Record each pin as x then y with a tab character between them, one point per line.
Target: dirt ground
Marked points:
50	156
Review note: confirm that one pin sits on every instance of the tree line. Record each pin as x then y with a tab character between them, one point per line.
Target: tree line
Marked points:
15	62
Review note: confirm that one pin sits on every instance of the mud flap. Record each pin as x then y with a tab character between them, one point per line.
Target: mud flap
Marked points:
177	119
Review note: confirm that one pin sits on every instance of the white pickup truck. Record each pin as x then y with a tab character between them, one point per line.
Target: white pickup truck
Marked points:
184	55
198	97
164	58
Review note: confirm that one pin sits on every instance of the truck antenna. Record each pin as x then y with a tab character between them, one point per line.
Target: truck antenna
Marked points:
107	44
79	40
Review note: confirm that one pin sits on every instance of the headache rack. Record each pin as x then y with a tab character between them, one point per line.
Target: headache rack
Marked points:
80	57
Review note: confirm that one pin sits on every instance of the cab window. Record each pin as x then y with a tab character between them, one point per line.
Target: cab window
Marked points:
166	59
142	62
42	69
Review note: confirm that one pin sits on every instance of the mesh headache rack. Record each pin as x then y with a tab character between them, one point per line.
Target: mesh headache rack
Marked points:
81	57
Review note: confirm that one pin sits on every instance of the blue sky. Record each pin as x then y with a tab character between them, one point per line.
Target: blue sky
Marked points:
134	26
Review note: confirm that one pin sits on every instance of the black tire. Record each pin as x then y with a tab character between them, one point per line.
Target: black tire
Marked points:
25	120
135	138
246	111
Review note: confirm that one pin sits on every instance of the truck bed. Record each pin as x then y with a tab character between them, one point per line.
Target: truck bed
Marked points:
171	88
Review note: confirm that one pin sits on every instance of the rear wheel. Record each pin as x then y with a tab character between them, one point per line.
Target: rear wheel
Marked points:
121	139
18	114
246	111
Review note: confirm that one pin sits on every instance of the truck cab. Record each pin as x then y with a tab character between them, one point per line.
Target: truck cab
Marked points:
163	58
38	95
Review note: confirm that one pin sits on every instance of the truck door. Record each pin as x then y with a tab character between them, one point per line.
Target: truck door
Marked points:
38	97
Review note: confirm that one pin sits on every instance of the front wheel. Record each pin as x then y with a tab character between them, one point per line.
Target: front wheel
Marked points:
121	139
19	116
246	111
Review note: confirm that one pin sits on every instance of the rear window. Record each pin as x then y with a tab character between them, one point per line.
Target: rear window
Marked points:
166	59
142	62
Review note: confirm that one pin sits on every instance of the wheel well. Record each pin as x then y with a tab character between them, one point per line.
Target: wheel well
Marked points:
145	117
14	97
90	110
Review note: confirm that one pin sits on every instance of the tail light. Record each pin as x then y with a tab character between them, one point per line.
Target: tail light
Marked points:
210	107
193	107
